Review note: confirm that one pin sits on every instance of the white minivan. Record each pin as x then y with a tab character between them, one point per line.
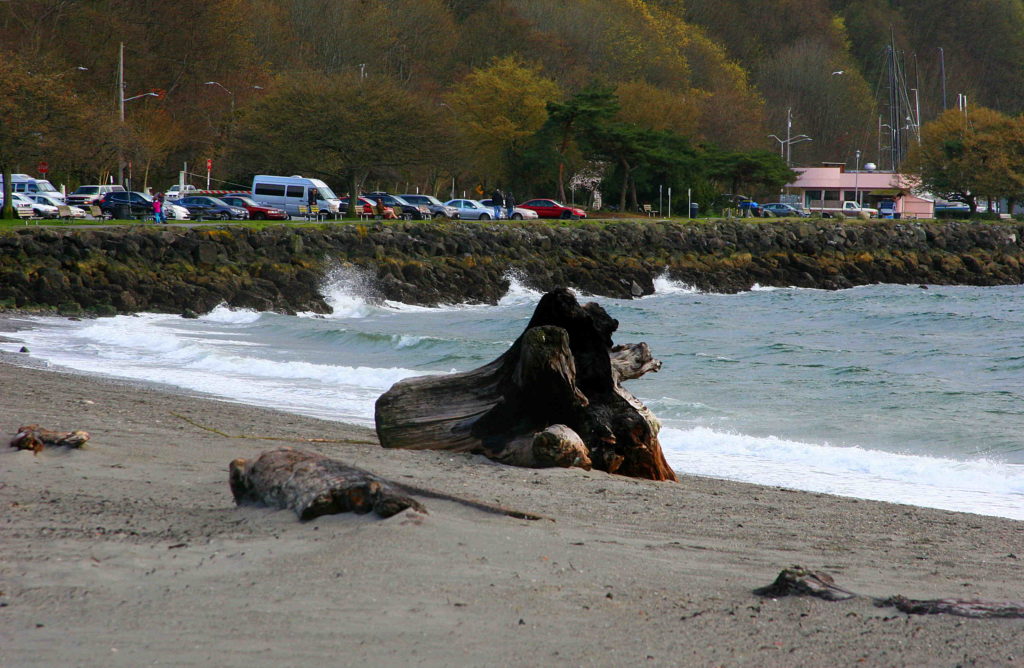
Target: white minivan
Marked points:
26	185
291	192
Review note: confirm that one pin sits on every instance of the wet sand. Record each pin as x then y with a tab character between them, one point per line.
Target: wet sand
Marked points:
131	552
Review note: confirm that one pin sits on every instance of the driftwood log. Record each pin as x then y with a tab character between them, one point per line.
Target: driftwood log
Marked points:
554	398
35	438
313	485
799	581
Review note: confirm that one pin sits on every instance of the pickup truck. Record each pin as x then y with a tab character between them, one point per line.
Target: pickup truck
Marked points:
847	208
177	192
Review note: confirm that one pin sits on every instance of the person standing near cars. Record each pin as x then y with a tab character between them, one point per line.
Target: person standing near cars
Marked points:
510	205
498	203
158	208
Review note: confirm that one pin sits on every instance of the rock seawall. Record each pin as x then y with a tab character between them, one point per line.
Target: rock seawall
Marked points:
283	268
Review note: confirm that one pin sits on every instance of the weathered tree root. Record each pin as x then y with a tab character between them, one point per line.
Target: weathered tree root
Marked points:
799	581
313	485
554	398
33	437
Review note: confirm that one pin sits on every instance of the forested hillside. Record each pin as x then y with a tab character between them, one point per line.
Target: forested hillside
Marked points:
529	93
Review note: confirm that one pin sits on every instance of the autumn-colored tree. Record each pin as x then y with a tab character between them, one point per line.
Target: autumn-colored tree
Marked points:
153	135
35	112
966	156
498	108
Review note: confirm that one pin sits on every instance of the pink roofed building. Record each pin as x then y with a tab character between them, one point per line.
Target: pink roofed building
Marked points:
830	185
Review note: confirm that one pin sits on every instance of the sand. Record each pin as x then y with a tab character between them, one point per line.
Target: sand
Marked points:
131	552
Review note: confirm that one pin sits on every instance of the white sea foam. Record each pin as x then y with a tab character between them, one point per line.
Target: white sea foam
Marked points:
663	285
979	486
145	348
224	314
406	341
347	290
518	294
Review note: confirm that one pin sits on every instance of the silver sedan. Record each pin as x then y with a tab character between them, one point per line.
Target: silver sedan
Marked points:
471	209
518	213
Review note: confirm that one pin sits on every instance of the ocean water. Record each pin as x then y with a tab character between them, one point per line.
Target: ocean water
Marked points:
897	393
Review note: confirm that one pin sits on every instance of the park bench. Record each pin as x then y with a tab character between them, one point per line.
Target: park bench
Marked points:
646	208
64	212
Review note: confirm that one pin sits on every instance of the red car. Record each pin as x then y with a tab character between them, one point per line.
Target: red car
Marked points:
256	211
369	207
549	208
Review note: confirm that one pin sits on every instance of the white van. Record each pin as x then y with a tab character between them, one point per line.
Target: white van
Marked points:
26	185
291	192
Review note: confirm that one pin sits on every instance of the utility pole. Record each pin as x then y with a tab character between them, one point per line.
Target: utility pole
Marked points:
120	110
789	132
942	69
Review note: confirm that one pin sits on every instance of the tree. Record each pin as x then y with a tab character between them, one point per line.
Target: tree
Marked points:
334	134
577	116
753	171
153	135
34	111
963	156
498	108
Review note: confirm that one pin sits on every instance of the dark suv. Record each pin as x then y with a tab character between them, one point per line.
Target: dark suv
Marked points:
408	210
437	208
126	205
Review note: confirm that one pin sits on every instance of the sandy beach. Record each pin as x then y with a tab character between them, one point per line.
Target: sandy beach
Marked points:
132	552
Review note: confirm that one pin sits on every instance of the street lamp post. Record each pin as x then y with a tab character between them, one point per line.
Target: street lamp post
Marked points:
785	145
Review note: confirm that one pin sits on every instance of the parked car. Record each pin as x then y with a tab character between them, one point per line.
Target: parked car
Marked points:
205	207
24	184
22	206
76	212
39	209
174	211
126	205
518	213
471	209
438	209
88	195
369	207
256	211
783	210
549	208
403	208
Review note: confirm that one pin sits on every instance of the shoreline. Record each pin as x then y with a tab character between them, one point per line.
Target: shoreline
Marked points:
131	551
1005	508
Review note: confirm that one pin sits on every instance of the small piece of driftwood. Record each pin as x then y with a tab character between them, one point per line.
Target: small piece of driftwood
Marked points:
313	485
554	398
799	581
35	438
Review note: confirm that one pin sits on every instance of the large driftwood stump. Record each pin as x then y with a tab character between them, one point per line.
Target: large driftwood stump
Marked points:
313	485
552	399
